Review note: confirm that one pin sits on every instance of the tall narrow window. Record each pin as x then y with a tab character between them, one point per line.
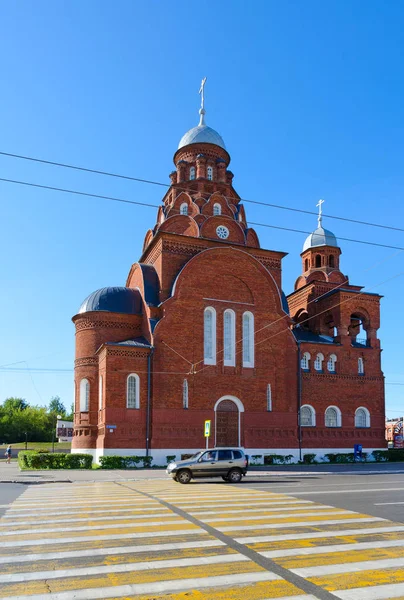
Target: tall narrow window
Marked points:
331	261
306	264
132	391
192	173
217	209
361	366
184	208
209	336
84	395
331	363
100	392
318	363
269	398
185	394
332	417
305	361
210	173
318	261
307	416
229	338
248	339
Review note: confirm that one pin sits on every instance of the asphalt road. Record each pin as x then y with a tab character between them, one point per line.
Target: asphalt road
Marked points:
8	493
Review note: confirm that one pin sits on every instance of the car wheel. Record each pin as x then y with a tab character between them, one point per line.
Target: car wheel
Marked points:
234	476
175	479
184	476
225	478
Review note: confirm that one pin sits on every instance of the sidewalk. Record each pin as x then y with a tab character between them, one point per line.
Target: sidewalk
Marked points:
12	474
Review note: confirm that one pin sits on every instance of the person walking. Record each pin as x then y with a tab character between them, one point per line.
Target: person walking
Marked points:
8	454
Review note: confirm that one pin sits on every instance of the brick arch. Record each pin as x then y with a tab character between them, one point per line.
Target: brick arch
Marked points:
228	411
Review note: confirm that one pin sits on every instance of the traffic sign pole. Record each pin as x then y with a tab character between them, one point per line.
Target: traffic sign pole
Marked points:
207	433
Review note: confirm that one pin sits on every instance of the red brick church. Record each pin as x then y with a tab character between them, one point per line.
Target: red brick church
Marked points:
202	330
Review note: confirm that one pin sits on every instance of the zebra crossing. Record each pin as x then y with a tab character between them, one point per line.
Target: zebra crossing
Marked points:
159	540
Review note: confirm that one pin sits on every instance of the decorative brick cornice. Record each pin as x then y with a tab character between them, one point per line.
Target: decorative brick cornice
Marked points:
87	361
181	248
270	264
129	353
337	377
82	324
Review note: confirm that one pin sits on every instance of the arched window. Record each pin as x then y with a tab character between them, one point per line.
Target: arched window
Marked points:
361	366
229	338
84	395
362	417
307	416
331	261
332	417
185	394
248	339
331	363
209	336
192	173
269	398
306	264
184	208
132	391
318	260
100	390
217	209
305	361
210	173
318	363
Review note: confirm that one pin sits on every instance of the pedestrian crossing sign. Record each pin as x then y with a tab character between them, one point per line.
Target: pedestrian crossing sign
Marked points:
207	429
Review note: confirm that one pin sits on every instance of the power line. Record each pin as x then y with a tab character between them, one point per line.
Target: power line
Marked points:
167	185
114	199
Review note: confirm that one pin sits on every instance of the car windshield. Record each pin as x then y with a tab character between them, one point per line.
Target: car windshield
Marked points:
195	456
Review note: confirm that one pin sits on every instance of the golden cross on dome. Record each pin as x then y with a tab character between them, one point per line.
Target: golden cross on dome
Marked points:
320	211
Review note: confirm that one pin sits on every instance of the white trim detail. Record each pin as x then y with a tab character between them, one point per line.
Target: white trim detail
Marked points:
84	395
217	209
185	394
308	407
361	366
240	407
305	361
192	173
184	209
229	338
209	336
331	363
130	392
248	339
318	363
100	392
269	398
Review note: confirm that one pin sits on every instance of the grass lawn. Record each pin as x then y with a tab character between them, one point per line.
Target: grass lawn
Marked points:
39	446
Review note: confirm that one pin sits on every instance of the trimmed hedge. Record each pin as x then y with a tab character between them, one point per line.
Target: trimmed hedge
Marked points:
30	459
125	462
277	459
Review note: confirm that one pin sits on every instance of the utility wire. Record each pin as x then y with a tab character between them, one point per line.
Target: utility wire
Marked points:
167	185
114	199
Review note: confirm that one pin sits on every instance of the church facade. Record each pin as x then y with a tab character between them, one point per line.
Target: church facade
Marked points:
203	331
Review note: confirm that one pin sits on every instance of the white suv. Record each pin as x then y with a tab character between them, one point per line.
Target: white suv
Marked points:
228	463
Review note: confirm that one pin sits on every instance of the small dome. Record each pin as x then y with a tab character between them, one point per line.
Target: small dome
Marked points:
114	299
201	134
320	237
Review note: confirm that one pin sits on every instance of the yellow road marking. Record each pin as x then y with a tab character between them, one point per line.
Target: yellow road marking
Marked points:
360	579
336	558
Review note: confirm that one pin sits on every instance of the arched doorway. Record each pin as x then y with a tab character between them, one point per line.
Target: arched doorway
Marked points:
227	421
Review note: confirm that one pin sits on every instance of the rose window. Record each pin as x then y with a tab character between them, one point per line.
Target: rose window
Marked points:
222	232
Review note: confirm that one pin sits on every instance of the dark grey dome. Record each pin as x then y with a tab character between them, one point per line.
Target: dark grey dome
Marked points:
114	299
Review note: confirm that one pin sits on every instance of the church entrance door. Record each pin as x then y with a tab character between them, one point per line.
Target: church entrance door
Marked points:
227	424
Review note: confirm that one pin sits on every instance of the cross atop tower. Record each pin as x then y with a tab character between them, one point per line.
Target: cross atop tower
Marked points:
320	212
202	111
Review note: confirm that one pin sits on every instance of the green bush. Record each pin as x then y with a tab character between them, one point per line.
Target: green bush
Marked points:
256	459
170	458
30	459
380	455
125	462
277	459
340	458
395	454
309	459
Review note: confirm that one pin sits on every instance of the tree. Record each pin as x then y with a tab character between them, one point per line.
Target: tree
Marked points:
57	406
13	404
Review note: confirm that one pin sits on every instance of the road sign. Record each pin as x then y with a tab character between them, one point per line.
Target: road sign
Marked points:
207	429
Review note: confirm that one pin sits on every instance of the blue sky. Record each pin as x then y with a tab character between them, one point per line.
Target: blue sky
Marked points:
308	97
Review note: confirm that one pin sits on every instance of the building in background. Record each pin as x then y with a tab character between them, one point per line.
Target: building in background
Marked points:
203	331
394	433
64	430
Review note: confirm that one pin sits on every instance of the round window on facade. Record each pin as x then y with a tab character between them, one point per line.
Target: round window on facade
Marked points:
222	232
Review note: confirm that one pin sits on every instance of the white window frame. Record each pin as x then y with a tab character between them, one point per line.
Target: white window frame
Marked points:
312	416
305	361
367	417
269	398
210	173
100	392
192	173
84	395
318	363
209	357
137	391
184	209
338	419
332	360
185	395
361	366
217	209
229	338
248	342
